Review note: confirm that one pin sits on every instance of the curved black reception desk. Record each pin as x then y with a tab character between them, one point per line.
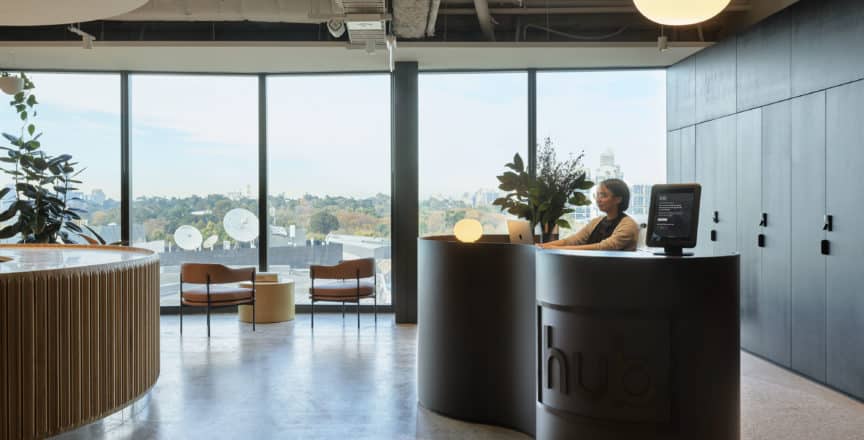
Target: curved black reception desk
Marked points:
636	346
476	331
579	345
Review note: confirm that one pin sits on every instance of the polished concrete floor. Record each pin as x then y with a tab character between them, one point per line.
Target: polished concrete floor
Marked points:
285	381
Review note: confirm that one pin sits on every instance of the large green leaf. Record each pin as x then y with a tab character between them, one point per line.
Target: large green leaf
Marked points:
9	213
517	161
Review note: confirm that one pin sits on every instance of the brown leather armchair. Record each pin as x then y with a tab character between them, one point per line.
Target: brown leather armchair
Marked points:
209	290
347	282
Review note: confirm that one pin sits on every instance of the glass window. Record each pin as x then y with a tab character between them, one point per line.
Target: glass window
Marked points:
617	119
194	171
471	125
77	114
329	174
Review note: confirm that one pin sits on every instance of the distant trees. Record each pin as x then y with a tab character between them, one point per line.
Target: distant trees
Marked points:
322	222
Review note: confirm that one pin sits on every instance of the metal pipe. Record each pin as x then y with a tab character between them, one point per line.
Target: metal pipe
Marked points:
484	17
432	18
563	10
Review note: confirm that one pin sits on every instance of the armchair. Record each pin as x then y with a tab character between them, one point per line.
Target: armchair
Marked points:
209	289
347	282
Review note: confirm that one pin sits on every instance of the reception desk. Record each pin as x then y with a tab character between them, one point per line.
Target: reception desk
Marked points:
80	334
575	344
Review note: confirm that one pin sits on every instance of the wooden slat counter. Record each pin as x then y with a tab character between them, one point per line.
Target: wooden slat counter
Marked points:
79	334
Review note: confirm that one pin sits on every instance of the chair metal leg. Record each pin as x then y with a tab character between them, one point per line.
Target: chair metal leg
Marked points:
253	316
181	316
375	309
358	314
343	310
208	319
313	313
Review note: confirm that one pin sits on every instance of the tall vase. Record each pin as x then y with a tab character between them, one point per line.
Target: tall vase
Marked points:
550	233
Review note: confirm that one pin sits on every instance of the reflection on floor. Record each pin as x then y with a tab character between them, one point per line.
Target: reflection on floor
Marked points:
284	381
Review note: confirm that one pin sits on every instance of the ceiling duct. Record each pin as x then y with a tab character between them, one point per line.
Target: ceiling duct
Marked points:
271	11
366	21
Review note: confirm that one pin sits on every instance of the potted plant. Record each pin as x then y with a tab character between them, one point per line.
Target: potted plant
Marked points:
40	211
544	199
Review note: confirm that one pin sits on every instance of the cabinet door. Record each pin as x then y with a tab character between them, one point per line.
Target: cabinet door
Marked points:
673	156
706	174
776	194
749	209
688	154
845	160
726	187
807	294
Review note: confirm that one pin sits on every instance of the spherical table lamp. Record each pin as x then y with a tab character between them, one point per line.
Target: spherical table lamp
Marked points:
468	230
680	12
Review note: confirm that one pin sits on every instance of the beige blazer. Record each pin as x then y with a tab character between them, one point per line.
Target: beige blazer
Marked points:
623	238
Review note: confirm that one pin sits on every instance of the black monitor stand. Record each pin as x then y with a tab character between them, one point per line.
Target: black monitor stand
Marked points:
673	252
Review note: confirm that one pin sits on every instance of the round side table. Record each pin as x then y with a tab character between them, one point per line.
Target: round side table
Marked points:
274	302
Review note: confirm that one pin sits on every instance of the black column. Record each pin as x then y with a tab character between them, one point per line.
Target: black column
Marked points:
263	215
532	122
125	163
404	115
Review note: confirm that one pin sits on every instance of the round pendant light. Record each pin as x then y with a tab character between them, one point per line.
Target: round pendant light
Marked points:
50	12
680	12
11	85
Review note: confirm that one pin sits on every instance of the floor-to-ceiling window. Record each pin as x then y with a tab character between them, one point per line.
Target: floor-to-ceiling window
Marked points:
194	142
77	114
471	125
616	120
329	174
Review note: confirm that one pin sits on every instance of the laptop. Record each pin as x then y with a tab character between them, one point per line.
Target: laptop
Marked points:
520	232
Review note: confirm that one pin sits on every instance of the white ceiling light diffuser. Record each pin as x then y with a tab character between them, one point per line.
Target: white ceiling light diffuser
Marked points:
50	12
680	12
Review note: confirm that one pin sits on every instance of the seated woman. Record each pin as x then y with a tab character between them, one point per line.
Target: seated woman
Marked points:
615	231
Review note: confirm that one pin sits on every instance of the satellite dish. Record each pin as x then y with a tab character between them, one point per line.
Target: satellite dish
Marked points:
210	241
241	225
187	237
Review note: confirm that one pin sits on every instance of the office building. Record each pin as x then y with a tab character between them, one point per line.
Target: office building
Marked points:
312	219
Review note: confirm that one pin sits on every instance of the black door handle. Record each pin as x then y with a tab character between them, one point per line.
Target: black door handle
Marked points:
713	235
829	223
760	241
764	222
826	247
716	217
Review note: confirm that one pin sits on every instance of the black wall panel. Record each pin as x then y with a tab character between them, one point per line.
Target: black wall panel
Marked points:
776	202
715	81
681	94
688	154
673	156
807	311
749	134
795	154
726	187
707	142
845	162
827	44
764	57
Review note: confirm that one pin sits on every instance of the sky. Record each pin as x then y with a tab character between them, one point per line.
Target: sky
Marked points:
330	134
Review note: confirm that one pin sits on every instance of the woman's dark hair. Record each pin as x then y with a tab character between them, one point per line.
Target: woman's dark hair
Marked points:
618	189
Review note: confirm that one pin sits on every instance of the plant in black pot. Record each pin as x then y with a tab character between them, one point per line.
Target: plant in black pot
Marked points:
546	198
40	211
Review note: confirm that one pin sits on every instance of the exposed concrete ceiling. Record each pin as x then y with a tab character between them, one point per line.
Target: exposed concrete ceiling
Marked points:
243	57
291	36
